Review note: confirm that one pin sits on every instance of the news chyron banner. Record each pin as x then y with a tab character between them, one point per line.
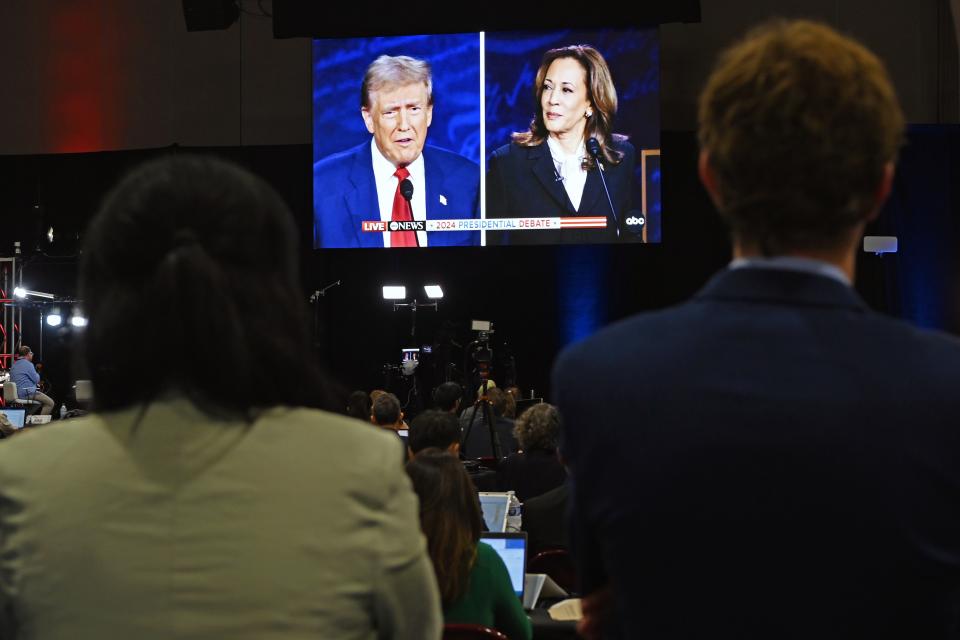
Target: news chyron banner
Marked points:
469	126
498	224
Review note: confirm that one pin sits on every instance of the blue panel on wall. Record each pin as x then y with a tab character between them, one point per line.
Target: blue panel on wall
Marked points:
582	286
923	213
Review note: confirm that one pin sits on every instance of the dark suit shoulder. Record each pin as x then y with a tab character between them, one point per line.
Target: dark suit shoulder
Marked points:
451	161
339	163
512	159
681	331
928	345
505	150
512	150
552	499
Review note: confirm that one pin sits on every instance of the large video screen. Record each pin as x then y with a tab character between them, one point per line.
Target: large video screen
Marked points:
483	139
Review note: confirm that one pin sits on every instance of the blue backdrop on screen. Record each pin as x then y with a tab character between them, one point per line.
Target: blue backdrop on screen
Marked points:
338	68
633	55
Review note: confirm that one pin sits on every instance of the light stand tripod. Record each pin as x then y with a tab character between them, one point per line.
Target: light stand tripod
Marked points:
409	368
315	301
413	306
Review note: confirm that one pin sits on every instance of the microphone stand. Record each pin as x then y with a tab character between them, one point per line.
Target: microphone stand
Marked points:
315	301
406	190
323	292
593	147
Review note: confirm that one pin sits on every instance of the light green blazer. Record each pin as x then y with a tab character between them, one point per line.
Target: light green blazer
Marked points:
301	525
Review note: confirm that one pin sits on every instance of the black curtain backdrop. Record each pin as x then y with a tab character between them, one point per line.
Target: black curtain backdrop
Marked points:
539	298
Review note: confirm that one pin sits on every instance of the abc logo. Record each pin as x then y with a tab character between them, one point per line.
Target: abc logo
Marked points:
635	221
394	226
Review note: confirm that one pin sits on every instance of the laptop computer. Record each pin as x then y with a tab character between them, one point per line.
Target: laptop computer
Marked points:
512	549
17	417
495	507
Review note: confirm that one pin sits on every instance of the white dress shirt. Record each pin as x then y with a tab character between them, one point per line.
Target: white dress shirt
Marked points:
793	263
569	168
383	171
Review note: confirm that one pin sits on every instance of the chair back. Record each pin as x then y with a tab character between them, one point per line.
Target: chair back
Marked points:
557	564
471	632
9	391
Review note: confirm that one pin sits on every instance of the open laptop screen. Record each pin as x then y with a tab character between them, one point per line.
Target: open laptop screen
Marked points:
512	549
17	417
495	507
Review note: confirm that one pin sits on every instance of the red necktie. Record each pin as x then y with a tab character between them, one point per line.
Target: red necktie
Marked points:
402	212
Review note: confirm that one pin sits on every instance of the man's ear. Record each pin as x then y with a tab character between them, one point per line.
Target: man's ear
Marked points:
708	176
367	118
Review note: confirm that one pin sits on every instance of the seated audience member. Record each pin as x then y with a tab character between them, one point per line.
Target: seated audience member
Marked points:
772	459
545	520
436	429
359	405
474	584
513	394
440	430
468	412
536	468
386	412
447	397
477	443
25	375
187	506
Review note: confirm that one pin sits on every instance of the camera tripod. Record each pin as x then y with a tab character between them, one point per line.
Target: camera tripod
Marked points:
482	404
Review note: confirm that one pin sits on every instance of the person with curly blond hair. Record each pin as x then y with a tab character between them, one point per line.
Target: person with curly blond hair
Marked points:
535	468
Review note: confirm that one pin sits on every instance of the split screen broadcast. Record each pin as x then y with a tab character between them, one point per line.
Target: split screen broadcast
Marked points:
484	139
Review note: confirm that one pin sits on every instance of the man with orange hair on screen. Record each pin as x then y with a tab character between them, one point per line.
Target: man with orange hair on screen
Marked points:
395	176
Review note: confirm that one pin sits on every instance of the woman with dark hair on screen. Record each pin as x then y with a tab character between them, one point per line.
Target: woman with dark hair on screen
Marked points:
474	583
549	170
203	499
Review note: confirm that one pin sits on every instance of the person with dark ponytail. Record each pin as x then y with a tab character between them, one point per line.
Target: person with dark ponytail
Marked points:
207	496
474	584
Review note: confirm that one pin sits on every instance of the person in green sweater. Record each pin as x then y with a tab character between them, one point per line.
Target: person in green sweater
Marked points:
474	584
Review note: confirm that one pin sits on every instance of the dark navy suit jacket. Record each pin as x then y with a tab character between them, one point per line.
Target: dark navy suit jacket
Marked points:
522	183
769	460
345	194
